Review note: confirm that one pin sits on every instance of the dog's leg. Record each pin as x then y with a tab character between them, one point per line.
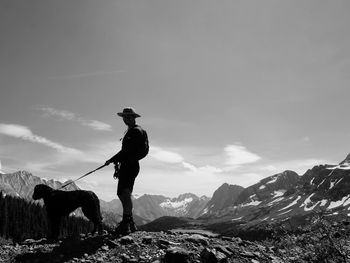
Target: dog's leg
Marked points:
54	226
95	217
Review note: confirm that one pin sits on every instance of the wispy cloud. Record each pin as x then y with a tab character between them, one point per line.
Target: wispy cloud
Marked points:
87	74
170	157
237	155
70	116
165	155
202	169
96	125
62	114
24	133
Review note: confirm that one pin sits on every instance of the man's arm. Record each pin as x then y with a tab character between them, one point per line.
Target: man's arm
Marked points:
115	159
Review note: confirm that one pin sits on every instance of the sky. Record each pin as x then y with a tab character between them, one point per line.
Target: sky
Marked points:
228	91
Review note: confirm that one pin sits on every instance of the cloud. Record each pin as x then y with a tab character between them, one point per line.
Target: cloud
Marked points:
96	125
24	133
170	157
202	169
238	155
70	116
165	156
64	115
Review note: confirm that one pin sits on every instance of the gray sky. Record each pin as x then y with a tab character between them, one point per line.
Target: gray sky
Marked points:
229	91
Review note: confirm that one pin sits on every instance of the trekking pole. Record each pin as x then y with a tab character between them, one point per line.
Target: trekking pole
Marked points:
82	176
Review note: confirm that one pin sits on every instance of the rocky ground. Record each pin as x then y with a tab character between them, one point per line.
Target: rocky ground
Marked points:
139	247
168	247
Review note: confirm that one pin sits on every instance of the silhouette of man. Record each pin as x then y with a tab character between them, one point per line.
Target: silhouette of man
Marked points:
127	166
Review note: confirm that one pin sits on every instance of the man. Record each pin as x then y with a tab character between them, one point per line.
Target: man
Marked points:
127	166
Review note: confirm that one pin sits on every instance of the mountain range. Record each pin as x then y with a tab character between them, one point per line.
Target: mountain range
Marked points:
278	198
281	196
146	207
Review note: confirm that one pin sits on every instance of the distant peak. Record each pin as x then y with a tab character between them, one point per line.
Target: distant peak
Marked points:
346	160
22	173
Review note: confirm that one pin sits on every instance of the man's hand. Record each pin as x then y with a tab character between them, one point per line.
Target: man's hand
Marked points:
116	170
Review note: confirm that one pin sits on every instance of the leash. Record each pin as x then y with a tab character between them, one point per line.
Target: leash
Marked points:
63	186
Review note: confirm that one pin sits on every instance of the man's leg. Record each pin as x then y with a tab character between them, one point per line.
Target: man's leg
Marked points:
123	227
124	191
125	198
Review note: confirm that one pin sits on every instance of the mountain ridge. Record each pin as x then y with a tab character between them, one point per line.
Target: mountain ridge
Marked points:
146	207
275	198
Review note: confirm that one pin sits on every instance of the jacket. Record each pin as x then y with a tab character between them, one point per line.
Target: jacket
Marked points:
132	141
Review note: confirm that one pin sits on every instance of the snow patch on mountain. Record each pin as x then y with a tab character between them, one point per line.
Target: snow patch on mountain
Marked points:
291	204
273	180
343	166
321	182
344	201
176	204
307	202
278	193
262	187
277	196
312	180
252	203
323	202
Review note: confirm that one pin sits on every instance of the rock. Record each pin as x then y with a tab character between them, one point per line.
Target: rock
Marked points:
126	240
237	240
105	248
198	239
162	243
111	243
29	241
223	250
212	256
337	235
147	240
346	223
177	255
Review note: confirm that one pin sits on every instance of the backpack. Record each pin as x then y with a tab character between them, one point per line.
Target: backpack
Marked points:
144	147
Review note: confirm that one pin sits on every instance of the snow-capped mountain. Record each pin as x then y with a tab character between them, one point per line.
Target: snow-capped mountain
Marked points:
275	198
223	197
155	206
187	205
285	195
346	160
147	207
151	207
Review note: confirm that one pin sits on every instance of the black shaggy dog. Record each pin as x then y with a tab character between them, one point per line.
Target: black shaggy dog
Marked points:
62	203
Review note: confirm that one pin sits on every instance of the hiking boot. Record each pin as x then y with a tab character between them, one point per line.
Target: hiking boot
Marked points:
123	229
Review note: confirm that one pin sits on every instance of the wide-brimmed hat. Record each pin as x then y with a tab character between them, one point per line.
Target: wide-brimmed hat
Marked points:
128	112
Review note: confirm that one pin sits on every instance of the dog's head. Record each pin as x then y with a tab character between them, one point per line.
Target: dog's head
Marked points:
41	191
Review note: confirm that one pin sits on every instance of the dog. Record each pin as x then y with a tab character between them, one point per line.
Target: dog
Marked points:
61	203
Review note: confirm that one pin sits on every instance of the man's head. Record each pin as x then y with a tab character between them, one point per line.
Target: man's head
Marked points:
129	115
